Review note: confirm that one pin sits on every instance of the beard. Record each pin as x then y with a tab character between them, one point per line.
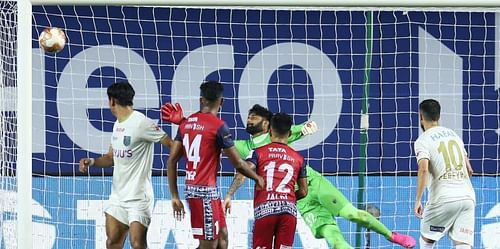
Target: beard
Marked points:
254	129
422	126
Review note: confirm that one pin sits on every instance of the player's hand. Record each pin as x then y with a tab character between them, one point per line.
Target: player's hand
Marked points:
172	113
259	184
178	209
418	209
309	128
226	205
85	164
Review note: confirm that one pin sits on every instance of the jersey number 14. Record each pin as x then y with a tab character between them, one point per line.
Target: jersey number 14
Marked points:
192	149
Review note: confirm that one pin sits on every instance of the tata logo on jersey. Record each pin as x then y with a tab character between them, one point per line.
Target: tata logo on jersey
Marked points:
274	149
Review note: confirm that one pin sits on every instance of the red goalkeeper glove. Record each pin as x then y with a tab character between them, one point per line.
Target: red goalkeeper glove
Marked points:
172	114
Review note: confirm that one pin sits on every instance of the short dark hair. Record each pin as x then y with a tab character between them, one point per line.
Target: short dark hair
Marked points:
123	92
281	123
211	90
261	112
430	109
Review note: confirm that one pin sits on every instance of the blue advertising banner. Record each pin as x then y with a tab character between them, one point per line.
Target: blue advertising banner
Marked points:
68	213
308	63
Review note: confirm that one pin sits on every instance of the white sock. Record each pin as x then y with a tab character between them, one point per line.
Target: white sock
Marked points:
463	246
425	245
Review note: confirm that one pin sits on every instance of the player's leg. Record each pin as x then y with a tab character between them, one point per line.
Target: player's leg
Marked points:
338	205
367	220
221	227
138	235
116	232
426	243
462	230
333	236
322	224
139	218
263	231
285	232
205	221
436	221
222	242
116	225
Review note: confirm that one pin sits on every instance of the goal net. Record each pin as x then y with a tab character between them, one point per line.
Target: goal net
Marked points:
359	74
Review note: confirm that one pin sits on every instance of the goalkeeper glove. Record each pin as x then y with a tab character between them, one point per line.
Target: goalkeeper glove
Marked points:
309	128
171	113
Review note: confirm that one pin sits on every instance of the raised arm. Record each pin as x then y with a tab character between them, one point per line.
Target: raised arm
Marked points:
298	131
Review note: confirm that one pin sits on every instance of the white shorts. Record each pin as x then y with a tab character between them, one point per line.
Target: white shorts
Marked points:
127	214
455	218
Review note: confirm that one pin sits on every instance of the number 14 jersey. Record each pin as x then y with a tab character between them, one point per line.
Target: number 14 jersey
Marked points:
203	136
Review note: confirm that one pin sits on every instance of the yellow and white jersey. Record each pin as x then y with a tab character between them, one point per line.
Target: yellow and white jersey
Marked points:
132	143
449	179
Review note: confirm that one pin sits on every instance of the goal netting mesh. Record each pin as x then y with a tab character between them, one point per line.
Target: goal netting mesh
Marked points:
359	74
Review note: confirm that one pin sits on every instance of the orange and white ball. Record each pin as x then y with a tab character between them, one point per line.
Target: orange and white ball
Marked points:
52	40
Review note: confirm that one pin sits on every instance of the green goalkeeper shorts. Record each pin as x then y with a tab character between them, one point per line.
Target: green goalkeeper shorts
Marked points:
321	205
317	218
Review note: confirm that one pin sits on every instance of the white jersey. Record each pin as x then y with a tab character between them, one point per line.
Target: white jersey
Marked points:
449	179
133	144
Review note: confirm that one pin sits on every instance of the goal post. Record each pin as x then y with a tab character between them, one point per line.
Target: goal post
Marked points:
366	113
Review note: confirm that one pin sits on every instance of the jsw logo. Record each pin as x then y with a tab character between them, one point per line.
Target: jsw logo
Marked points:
44	235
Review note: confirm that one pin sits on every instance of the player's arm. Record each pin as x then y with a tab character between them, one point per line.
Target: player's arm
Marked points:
167	141
423	171
470	171
301	192
245	168
103	161
175	156
298	131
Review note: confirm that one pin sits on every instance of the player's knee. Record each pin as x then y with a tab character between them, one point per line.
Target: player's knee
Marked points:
138	244
223	240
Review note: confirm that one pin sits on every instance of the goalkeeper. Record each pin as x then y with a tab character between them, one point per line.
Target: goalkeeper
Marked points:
323	202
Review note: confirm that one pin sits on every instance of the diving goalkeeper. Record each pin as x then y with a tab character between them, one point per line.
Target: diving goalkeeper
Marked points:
323	203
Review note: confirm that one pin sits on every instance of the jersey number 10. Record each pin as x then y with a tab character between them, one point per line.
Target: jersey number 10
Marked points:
452	155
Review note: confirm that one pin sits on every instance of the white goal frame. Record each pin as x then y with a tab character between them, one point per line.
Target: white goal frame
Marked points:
24	61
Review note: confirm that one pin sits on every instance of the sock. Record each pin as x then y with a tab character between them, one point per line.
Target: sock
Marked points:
463	246
424	244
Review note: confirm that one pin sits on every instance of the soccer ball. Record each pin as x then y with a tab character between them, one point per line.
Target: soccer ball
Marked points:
52	40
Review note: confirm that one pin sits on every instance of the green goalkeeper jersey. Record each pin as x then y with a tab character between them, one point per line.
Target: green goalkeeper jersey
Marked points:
245	146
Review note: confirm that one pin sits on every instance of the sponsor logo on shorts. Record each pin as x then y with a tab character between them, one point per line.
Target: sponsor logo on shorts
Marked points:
466	231
437	229
285	247
197	231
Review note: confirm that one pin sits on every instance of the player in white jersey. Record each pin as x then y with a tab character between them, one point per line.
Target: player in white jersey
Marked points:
131	153
443	165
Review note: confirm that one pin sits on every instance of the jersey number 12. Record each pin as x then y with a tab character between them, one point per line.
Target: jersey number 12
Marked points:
281	188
